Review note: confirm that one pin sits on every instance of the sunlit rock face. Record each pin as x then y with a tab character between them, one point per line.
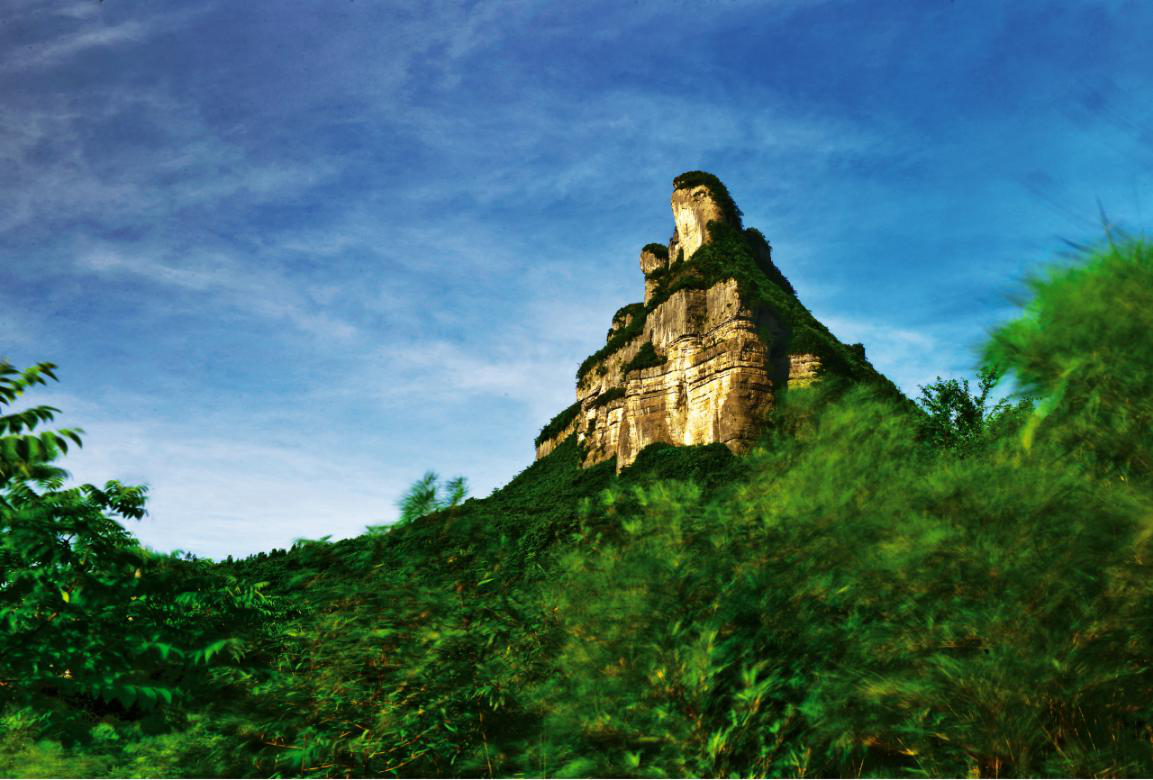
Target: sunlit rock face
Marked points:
715	385
704	365
693	209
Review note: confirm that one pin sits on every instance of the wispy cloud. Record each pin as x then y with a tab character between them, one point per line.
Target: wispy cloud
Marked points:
87	29
39	55
226	281
448	371
648	134
911	358
55	174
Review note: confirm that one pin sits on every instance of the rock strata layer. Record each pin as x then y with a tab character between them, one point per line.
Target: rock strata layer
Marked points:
715	384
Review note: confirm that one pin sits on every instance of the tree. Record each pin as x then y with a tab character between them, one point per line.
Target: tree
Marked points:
957	417
90	620
427	495
24	454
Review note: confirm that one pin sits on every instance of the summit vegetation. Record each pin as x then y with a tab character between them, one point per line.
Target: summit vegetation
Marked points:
958	586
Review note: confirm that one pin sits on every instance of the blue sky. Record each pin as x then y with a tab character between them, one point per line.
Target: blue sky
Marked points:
291	254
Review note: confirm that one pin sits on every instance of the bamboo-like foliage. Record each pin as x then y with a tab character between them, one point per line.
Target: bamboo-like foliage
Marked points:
959	589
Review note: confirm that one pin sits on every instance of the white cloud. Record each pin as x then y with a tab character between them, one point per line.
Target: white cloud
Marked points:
192	166
440	371
27	9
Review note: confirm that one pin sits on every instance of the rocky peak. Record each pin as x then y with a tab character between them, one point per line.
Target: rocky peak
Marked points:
698	199
693	210
719	337
654	262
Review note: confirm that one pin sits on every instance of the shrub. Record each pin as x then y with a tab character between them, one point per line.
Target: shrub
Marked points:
959	419
608	396
763	254
1083	347
660	250
616	341
646	357
624	316
426	496
94	625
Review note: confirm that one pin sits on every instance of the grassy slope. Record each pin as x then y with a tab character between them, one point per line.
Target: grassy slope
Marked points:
514	527
445	589
847	600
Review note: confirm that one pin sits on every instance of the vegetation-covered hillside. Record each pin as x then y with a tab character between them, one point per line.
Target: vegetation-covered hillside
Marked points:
957	590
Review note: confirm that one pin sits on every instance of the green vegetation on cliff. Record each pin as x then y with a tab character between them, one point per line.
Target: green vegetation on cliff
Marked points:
961	590
608	396
731	254
624	316
763	254
660	250
616	340
558	423
646	357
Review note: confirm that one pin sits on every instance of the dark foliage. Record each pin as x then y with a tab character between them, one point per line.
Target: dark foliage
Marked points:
608	396
660	250
711	466
616	340
763	256
625	315
628	310
646	357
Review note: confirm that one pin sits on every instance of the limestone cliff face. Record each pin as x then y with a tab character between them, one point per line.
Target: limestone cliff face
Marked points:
706	355
715	384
